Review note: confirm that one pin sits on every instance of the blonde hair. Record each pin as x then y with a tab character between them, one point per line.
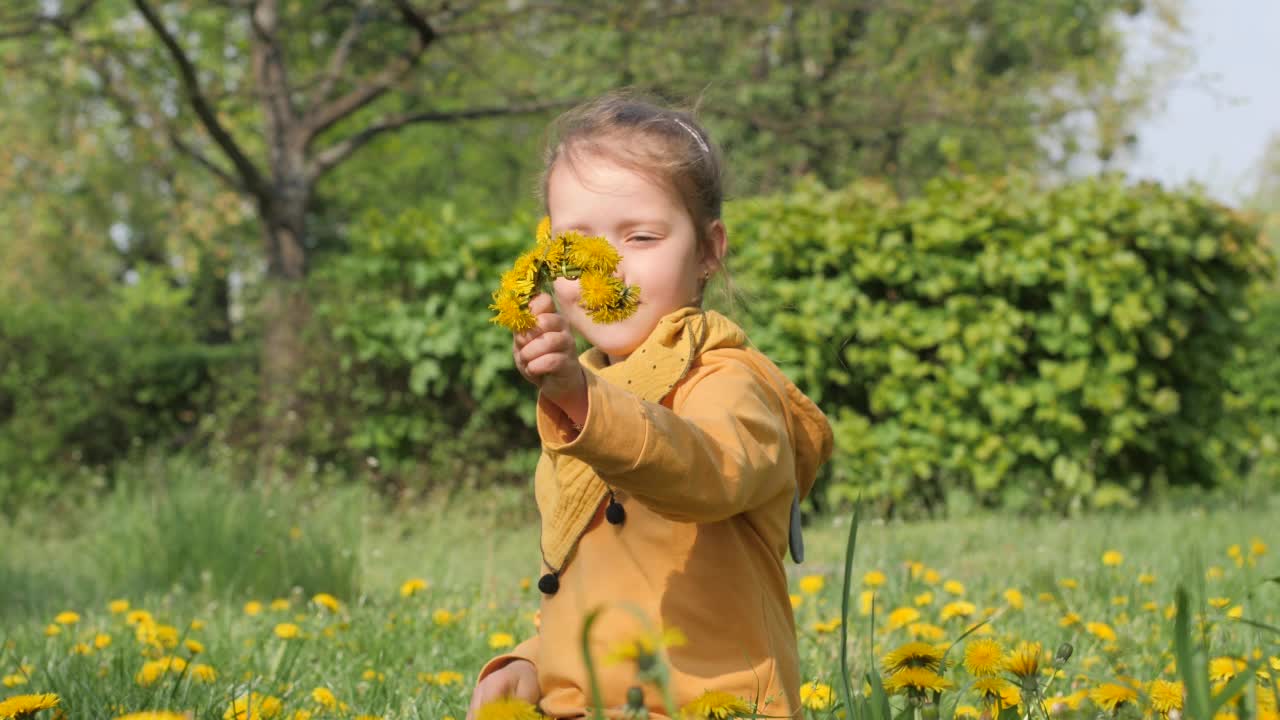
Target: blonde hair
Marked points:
638	131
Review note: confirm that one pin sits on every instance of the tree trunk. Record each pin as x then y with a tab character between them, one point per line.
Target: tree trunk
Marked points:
285	311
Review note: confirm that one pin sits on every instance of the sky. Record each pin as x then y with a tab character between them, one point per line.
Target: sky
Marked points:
1218	116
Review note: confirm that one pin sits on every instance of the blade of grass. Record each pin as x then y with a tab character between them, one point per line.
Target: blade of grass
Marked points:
846	691
1195	675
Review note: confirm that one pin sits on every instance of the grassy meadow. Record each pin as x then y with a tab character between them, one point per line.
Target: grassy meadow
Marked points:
182	593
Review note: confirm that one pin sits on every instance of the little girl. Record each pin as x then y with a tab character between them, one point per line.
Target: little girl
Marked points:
674	453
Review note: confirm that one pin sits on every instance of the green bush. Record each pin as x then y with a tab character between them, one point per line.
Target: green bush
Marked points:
407	370
995	341
85	383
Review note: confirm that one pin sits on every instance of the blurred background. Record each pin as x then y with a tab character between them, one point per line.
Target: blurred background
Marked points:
1021	252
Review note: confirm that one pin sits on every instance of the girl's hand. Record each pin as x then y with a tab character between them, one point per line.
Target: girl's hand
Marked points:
547	357
518	679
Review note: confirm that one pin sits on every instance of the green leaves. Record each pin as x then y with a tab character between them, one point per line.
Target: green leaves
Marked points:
992	329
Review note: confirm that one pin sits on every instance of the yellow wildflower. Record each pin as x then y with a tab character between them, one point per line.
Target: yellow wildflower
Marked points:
253	607
913	654
1165	696
118	606
816	696
715	705
500	640
327	601
812	584
1100	630
254	706
287	631
983	657
994	689
645	644
954	587
903	617
155	715
509	708
917	678
1014	598
1024	661
67	617
874	578
203	672
923	599
1112	558
412	587
1110	696
325	698
958	609
21	706
280	604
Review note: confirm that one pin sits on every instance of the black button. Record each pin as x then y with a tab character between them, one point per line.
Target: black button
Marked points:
615	513
549	584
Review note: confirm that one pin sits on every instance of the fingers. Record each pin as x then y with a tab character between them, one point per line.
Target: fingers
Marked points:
546	353
541	303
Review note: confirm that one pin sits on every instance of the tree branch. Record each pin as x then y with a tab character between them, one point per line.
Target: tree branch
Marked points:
251	177
325	116
338	60
333	155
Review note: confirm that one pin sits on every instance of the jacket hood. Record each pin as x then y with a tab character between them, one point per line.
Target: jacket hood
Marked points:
700	331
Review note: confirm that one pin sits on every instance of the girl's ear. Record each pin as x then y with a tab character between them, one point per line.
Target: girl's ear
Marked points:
717	245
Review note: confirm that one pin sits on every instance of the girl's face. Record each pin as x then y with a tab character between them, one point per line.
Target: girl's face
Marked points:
651	230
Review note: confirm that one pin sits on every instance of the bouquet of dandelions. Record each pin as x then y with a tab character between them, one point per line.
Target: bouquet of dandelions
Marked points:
589	260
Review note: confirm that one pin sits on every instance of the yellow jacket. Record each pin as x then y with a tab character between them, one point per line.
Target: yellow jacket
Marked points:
706	468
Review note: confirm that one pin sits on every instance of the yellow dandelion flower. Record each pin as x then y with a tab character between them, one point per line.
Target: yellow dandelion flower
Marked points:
254	706
412	587
81	648
902	617
543	234
22	706
301	715
823	627
1165	696
51	629
1100	630
953	587
913	654
1223	669
1069	619
1112	558
508	709
926	631
1257	547
622	308
327	601
958	609
153	670
101	640
866	600
1014	597
994	689
915	678
280	604
924	598
512	313
287	631
67	617
1213	573
195	647
983	657
500	640
253	607
1236	612
203	673
874	578
1110	696
155	715
591	253
817	696
715	705
13	680
116	607
1219	602
968	711
325	698
442	617
931	577
796	601
645	644
812	584
1146	579
1024	661
598	290
448	677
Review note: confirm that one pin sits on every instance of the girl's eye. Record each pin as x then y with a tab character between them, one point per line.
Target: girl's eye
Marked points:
643	238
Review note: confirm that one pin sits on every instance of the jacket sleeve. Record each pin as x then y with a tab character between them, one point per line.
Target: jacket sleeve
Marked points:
725	452
527	650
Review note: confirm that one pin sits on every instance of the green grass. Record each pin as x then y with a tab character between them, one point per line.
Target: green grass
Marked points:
184	543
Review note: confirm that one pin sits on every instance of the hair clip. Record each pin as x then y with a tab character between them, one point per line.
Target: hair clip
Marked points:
701	143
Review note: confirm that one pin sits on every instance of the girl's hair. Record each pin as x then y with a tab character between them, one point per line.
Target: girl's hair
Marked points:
639	132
